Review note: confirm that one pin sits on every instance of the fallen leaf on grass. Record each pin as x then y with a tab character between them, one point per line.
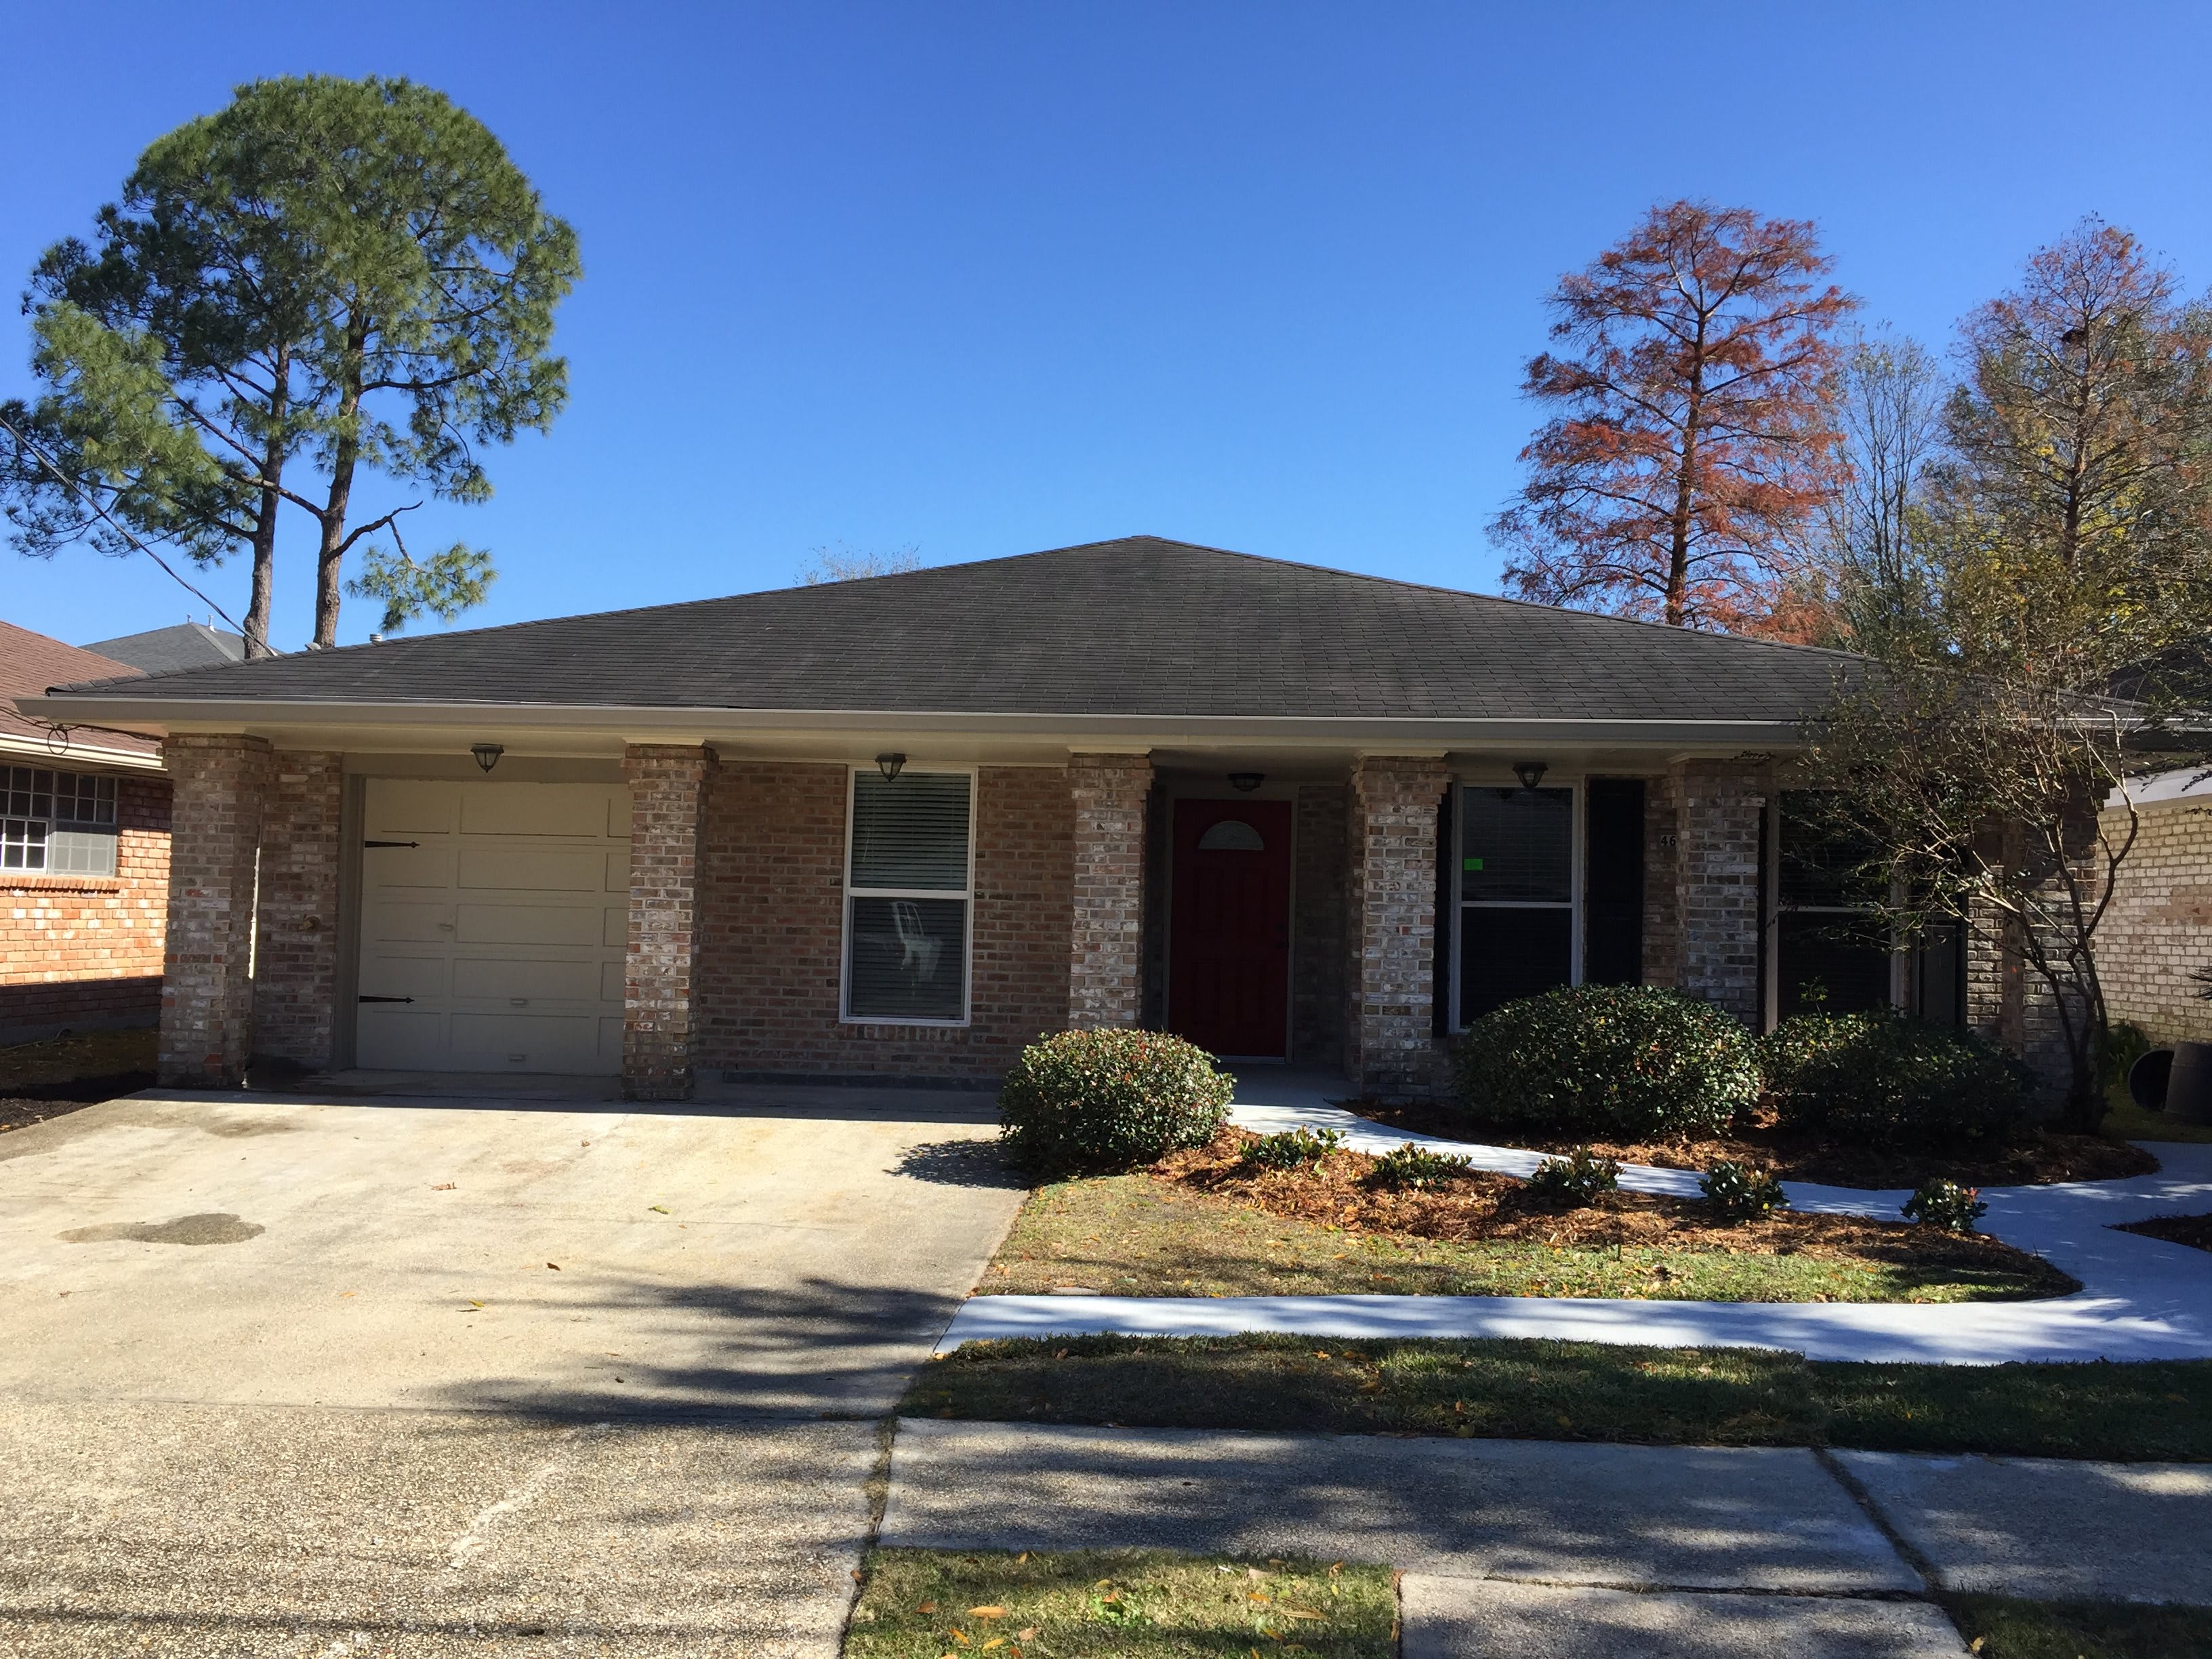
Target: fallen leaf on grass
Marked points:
1027	1635
986	1613
995	1641
926	1607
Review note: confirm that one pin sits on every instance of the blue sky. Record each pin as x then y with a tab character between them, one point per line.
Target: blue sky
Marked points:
984	278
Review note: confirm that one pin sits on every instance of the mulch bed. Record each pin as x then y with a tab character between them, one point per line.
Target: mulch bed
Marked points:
2192	1229
2036	1157
1483	1206
37	1103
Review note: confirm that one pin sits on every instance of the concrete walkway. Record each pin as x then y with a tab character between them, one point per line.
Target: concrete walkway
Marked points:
2140	1298
1534	1547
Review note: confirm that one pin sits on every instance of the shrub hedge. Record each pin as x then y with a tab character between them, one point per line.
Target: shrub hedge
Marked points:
1612	1061
1102	1101
1883	1079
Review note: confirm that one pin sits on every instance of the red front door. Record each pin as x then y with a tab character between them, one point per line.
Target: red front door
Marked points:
1228	955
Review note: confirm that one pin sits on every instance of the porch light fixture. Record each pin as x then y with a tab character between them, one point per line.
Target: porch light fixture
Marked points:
891	766
487	754
1531	773
1245	782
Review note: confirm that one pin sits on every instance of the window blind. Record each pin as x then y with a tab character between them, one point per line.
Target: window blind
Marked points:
911	833
907	898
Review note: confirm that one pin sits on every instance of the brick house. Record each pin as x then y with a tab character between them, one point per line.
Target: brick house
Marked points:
2158	930
896	828
84	857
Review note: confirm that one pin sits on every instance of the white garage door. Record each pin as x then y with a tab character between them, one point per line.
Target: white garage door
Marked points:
494	922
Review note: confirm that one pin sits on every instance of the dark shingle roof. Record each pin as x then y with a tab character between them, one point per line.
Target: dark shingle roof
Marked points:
182	645
1140	626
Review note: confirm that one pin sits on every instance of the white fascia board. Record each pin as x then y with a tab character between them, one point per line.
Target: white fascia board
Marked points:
1088	732
76	752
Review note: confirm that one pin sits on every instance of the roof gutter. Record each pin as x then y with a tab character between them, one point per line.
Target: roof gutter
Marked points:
166	715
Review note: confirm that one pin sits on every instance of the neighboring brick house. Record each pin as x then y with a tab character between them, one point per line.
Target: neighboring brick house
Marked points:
899	827
84	857
2158	931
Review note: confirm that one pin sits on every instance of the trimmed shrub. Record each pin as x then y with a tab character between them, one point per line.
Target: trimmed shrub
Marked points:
1947	1204
1883	1079
1103	1101
1407	1167
1614	1061
1574	1182
1738	1192
1293	1149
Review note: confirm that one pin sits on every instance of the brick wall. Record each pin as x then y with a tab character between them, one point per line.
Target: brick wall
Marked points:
772	929
207	995
2159	925
1105	956
1317	925
668	787
1391	1049
84	952
1719	808
296	960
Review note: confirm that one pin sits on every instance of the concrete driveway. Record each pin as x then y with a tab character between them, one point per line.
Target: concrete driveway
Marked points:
296	1375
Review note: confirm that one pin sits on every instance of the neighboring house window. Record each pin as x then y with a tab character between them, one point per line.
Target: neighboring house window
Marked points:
907	898
57	822
1517	896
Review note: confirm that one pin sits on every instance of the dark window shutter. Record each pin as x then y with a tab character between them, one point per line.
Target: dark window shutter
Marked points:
1612	886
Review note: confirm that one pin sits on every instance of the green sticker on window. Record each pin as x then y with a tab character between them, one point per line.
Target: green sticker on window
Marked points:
1470	864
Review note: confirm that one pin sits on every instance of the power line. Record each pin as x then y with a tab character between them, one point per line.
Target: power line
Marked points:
78	490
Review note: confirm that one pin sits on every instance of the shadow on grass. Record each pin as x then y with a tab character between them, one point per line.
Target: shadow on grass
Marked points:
1553	1391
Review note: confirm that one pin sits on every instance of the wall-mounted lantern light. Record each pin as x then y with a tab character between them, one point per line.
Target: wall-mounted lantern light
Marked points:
1245	782
1531	773
487	754
891	766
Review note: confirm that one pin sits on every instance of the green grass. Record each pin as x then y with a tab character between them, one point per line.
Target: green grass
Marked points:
2125	1121
2000	1628
920	1604
2159	1410
1136	1236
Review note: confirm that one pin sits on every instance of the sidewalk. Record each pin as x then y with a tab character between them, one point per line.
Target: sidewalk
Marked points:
2140	1298
1536	1547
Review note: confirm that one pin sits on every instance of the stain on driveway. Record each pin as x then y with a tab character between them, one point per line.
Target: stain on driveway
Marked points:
213	1227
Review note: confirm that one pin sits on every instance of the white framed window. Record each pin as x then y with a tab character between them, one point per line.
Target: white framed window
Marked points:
57	822
910	898
1516	895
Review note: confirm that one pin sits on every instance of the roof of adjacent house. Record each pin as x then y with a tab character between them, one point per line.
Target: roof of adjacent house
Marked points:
1137	626
181	645
29	663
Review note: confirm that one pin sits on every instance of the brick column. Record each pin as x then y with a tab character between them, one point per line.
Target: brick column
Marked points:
1719	808
1104	980
215	838
296	970
1662	841
1390	925
668	799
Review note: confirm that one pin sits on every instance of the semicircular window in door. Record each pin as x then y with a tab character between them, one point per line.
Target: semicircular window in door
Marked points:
1231	836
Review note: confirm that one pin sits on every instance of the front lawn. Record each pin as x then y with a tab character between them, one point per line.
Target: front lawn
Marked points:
1128	1604
2033	1156
1202	1224
2000	1628
1501	1388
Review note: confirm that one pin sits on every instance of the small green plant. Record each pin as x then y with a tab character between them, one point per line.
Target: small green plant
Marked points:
1947	1204
1110	1100
1574	1182
1739	1191
1293	1149
2125	1042
1610	1061
1408	1167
